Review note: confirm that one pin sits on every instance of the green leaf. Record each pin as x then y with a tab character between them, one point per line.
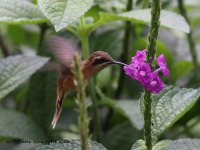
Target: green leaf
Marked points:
17	125
121	137
14	70
74	144
42	97
169	105
64	12
19	12
184	144
167	19
180	69
127	108
162	144
139	145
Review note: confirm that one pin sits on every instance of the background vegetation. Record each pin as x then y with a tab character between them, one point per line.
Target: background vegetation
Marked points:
118	27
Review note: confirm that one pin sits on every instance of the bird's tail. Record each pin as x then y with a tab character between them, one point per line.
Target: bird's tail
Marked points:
59	103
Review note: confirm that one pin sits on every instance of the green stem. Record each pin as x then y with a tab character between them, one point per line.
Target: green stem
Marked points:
155	24
151	51
3	47
43	29
85	47
124	55
83	119
37	81
84	38
147	119
191	42
124	59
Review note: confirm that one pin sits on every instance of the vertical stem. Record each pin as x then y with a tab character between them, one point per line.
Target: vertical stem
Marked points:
191	42
84	38
83	119
37	82
151	50
124	55
147	119
43	29
155	24
85	47
124	59
3	47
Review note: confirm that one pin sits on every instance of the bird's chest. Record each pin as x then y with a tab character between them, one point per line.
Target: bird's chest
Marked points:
66	82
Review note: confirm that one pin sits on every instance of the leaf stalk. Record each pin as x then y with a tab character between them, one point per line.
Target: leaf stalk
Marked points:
191	42
85	47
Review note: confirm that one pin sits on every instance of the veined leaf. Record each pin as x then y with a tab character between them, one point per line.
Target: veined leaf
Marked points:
161	144
14	70
184	144
64	12
167	19
16	125
20	11
127	108
71	145
139	145
171	104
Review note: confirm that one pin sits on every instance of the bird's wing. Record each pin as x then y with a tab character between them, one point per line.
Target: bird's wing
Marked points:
63	49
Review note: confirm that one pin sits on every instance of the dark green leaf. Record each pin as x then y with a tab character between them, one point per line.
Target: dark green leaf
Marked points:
64	12
42	97
16	125
71	145
171	104
184	144
14	70
121	137
20	11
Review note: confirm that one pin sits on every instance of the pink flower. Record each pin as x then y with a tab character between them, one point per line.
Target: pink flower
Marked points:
141	71
130	71
163	66
136	60
155	85
139	57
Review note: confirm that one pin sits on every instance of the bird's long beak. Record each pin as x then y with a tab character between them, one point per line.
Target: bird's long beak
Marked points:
119	63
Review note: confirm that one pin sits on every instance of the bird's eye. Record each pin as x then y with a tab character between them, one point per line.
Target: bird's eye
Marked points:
99	61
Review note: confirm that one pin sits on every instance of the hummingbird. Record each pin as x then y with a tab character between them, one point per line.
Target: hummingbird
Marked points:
65	51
